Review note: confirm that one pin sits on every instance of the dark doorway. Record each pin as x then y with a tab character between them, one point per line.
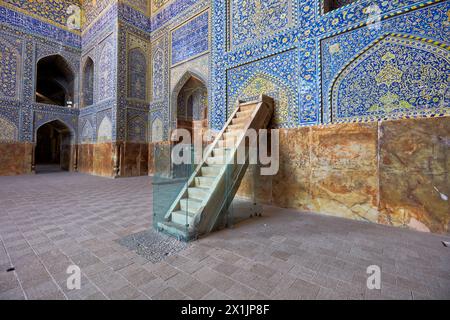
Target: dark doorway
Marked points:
330	5
54	81
53	147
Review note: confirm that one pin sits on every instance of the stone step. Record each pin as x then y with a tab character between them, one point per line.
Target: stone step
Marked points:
221	151
234	127
176	230
216	160
240	120
227	143
233	134
198	193
247	106
183	218
244	114
204	182
190	205
211	171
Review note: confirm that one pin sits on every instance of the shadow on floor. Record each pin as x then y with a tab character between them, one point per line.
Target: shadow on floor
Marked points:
48	168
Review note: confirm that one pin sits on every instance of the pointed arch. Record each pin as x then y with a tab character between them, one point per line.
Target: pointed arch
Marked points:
54	141
87	132
63	125
55	81
137	129
59	122
407	75
88	82
104	132
263	83
176	91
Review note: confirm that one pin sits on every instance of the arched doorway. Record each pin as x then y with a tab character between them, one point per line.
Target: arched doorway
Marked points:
54	81
192	106
53	147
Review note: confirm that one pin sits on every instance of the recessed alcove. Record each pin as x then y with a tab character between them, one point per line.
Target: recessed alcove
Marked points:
53	146
331	5
192	105
88	82
54	81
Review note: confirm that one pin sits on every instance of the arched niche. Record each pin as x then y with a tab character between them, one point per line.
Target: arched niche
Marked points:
87	133
88	82
137	129
54	81
261	83
190	84
53	146
104	132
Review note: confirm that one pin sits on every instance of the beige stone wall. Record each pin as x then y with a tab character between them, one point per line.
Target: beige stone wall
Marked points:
392	172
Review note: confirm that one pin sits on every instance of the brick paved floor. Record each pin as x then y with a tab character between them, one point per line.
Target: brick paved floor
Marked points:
50	221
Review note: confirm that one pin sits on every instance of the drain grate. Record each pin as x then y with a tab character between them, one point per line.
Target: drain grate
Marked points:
152	245
446	244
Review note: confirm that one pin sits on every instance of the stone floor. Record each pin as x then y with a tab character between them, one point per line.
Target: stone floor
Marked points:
53	220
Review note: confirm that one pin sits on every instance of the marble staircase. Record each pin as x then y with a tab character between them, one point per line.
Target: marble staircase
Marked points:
212	186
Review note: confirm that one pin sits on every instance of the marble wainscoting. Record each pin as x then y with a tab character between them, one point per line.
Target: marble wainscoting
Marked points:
86	158
119	159
96	159
414	174
391	172
344	171
134	161
16	158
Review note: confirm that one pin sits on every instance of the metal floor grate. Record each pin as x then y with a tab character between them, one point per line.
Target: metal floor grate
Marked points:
152	245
